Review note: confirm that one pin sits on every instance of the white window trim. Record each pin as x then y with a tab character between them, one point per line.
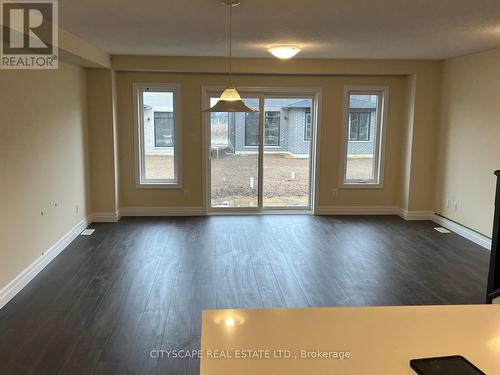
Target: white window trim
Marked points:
378	183
141	183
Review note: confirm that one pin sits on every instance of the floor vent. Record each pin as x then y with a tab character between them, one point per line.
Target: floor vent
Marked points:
87	232
442	230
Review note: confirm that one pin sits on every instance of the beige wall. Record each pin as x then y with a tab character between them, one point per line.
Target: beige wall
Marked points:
407	141
469	140
102	145
422	109
42	162
330	142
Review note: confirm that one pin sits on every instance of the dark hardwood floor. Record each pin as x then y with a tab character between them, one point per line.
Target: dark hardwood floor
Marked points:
104	303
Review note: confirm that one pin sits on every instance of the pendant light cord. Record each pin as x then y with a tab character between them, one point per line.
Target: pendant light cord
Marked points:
230	5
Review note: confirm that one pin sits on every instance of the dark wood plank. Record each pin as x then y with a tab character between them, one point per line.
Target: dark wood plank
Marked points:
55	355
81	362
141	284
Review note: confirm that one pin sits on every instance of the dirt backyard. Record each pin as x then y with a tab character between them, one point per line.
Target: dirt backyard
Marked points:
234	178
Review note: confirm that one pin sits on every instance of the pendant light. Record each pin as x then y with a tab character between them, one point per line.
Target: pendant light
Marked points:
230	100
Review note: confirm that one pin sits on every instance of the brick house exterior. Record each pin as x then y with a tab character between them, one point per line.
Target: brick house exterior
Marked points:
368	107
288	124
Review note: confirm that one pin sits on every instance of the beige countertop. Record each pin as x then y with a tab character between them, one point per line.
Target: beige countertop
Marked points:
372	340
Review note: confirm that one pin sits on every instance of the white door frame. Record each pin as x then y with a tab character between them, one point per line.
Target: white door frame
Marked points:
315	93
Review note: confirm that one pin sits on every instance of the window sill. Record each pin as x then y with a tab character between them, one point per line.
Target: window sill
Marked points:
361	185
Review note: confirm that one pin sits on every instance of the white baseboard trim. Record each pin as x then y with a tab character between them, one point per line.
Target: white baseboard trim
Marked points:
416	215
162	211
21	280
357	210
464	231
105	217
244	212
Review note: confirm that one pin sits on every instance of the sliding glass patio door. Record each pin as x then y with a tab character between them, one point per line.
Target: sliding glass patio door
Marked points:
287	152
234	157
261	160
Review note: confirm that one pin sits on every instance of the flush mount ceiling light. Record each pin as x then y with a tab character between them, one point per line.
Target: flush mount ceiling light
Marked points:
284	52
230	100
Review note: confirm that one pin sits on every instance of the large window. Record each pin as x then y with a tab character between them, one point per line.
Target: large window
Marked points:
359	126
252	129
157	130
307	127
164	129
271	129
363	141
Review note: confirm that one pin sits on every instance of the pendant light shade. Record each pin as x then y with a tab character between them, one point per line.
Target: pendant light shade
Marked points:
230	99
230	106
230	94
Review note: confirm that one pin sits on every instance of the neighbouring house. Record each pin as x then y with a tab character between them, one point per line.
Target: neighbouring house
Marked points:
158	130
287	128
362	125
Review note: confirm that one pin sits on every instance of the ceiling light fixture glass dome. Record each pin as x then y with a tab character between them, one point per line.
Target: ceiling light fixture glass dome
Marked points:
284	52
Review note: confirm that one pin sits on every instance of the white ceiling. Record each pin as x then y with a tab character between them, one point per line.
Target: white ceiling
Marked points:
399	29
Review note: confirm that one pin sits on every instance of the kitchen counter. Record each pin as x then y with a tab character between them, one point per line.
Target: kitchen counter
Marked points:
347	340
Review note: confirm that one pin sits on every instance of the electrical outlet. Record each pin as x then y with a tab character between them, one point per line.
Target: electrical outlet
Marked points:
186	193
77	209
335	192
447	203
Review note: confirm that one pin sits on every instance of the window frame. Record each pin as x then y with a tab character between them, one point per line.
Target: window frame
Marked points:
138	90
379	142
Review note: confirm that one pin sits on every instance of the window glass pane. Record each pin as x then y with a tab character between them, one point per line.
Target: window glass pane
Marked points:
252	129
220	128
158	137
164	129
272	129
361	145
307	135
364	126
353	126
234	169
286	159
